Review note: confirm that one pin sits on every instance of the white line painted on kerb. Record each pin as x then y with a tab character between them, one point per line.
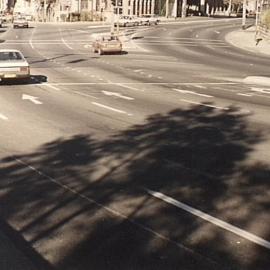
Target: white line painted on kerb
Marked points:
222	224
204	104
191	92
111	108
3	117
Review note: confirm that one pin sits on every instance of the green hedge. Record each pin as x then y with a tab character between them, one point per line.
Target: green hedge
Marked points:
266	18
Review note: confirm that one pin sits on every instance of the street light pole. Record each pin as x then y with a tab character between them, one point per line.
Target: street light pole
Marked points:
44	11
184	9
244	14
112	18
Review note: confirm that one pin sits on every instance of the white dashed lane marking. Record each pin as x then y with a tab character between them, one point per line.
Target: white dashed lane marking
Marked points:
110	108
192	93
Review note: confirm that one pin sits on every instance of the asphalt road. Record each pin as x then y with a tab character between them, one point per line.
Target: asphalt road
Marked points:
157	158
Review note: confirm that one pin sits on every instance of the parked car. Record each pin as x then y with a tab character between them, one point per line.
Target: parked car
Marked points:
13	65
20	22
107	44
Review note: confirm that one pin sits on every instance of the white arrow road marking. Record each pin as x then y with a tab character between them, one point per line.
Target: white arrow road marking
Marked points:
191	92
220	223
3	117
31	98
110	108
107	93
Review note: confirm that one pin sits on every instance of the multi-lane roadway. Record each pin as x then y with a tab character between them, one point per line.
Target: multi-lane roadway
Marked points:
157	158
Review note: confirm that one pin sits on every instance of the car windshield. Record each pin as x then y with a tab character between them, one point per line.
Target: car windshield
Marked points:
10	56
110	38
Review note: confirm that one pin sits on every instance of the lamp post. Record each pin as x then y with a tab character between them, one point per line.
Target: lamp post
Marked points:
184	9
44	11
244	14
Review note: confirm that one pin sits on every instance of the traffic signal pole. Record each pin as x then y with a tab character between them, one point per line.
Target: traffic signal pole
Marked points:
112	18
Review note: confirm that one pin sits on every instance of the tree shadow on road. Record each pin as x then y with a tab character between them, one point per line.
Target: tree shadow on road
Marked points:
83	203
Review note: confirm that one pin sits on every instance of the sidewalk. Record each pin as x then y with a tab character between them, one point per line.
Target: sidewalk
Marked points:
245	39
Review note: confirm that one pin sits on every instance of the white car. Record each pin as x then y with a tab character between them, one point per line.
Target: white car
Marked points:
13	65
125	21
149	20
20	22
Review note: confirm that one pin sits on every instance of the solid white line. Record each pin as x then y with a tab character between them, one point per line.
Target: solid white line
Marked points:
200	86
125	84
191	92
183	43
203	104
186	40
51	86
222	224
3	117
161	61
30	41
245	95
130	87
66	44
110	108
31	44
